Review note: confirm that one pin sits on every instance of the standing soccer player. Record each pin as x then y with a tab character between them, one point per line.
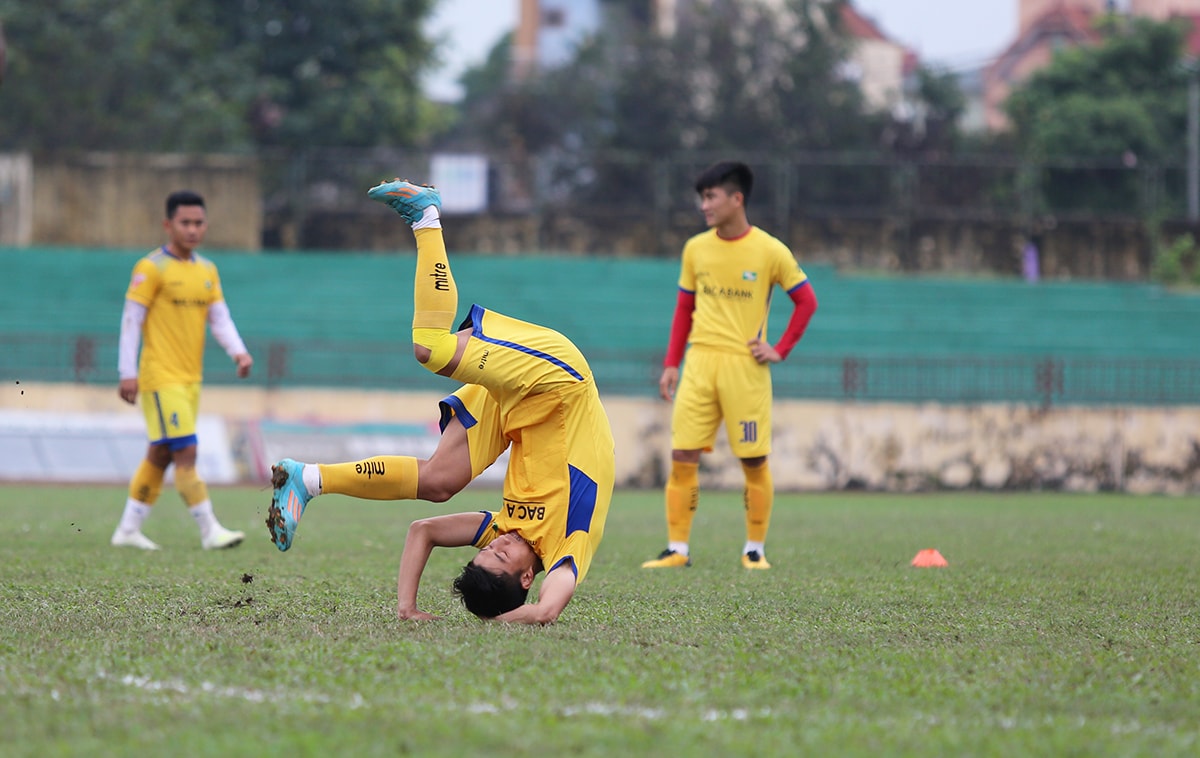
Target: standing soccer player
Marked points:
173	295
725	286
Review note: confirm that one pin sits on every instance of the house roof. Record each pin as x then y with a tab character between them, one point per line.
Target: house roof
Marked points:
1192	41
1060	22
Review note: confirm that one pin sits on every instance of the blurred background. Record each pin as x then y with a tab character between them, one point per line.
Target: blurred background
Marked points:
997	203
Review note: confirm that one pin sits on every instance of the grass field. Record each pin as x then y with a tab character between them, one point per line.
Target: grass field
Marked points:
1065	625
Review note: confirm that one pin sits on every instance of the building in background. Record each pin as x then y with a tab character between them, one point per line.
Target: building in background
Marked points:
548	32
1047	26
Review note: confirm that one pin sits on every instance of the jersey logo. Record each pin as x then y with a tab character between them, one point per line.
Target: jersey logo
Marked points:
750	276
137	279
525	511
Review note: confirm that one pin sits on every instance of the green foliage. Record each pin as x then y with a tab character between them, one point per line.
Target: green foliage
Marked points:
1065	625
733	75
1125	95
195	75
1178	262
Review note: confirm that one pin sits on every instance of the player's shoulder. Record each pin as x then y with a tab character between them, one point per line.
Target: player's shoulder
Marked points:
761	236
205	261
154	260
707	235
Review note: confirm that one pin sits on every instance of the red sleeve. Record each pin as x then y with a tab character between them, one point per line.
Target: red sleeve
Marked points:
681	327
806	305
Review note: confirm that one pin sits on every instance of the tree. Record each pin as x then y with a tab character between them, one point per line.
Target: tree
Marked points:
1097	111
214	75
1123	95
735	77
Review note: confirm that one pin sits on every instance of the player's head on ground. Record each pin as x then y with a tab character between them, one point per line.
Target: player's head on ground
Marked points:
728	176
498	578
186	221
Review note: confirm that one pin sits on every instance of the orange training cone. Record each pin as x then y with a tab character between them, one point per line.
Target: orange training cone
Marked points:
929	558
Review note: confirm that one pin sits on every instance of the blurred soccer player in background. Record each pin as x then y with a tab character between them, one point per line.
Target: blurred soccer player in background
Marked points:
524	385
725	285
173	295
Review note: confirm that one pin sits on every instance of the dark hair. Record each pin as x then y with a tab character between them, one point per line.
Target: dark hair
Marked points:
487	595
182	197
732	175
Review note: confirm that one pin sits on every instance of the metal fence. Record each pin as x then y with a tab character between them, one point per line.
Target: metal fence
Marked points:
1032	380
656	190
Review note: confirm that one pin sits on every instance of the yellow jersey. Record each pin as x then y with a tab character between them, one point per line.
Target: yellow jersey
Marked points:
733	281
177	294
541	398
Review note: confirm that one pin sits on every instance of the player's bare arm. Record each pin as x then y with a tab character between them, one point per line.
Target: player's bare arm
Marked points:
452	530
556	591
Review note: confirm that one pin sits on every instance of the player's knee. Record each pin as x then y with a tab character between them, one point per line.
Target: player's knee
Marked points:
434	348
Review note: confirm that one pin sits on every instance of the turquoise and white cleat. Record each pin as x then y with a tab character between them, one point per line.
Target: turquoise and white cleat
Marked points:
288	501
408	199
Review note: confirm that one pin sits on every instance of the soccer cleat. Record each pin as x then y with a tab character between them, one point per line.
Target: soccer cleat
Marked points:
288	501
133	539
755	560
408	199
219	537
668	559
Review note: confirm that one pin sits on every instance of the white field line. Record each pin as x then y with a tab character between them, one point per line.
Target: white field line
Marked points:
252	695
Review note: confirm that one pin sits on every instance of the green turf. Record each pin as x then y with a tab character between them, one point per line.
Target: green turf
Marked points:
1065	625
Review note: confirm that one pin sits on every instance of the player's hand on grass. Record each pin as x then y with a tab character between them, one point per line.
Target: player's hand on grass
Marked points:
763	352
415	614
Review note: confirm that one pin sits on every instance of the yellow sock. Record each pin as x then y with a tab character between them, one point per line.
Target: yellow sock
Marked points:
146	483
759	497
384	477
435	299
683	494
191	487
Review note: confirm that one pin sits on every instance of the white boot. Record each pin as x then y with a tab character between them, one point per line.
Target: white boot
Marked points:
135	538
219	537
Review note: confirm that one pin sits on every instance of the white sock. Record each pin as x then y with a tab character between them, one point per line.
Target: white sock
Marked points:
312	479
430	219
754	547
679	547
135	513
205	519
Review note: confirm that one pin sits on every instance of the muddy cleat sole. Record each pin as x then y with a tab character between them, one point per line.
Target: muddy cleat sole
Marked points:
133	539
288	501
408	199
668	559
755	560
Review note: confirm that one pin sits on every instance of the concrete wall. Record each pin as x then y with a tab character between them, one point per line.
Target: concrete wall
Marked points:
817	445
116	199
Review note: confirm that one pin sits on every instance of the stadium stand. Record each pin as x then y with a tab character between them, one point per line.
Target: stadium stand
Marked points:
343	319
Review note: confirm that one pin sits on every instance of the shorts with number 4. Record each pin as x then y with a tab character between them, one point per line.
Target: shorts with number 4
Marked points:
170	413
